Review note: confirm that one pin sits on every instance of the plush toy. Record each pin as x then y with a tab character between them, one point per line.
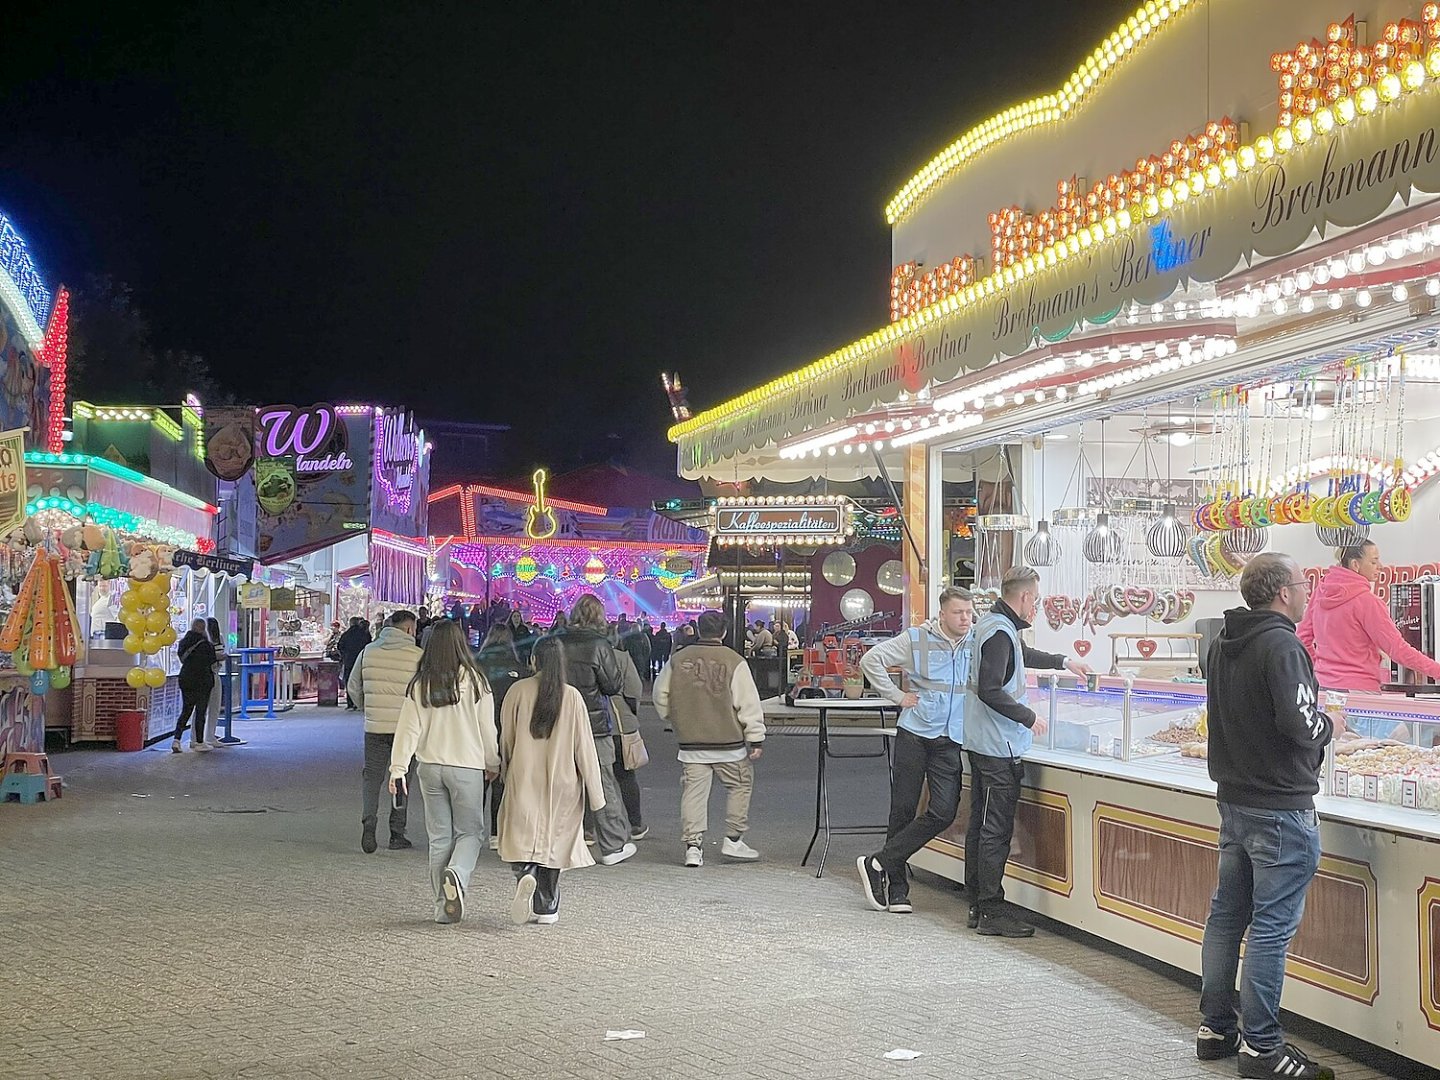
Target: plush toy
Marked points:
142	564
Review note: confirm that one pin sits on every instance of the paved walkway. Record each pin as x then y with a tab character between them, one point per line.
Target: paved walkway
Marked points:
226	924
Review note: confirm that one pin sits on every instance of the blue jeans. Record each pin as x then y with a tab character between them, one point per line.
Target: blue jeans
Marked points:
1267	860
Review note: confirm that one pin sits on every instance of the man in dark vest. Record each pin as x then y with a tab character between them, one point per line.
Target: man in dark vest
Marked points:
709	695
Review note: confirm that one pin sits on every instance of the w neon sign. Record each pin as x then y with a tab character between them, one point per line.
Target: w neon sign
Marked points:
288	430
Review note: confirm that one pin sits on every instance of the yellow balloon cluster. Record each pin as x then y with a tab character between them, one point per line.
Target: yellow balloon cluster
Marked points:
145	611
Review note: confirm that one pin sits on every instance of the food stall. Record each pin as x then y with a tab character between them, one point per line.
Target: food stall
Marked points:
1180	309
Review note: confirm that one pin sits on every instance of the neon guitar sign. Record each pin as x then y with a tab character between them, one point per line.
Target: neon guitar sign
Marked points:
540	520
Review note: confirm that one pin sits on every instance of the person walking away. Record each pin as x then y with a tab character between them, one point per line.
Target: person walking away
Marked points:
447	723
500	663
634	642
524	638
936	661
351	644
381	678
660	655
999	728
686	635
625	707
1345	629
552	773
197	675
1266	744
710	697
212	711
591	667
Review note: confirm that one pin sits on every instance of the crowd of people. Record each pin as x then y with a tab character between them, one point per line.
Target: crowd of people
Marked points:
532	739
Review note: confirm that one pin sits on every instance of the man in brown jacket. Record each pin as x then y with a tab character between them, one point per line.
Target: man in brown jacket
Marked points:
708	694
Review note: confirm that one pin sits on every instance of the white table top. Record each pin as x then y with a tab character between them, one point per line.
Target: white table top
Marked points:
846	704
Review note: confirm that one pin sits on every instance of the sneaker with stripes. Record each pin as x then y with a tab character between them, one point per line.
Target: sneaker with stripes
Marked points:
1285	1060
1212	1045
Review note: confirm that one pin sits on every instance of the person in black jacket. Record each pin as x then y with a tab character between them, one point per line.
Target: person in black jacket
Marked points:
634	641
591	668
1267	739
351	644
660	650
499	660
197	678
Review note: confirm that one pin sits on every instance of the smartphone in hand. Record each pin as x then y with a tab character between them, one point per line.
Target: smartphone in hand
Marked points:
398	799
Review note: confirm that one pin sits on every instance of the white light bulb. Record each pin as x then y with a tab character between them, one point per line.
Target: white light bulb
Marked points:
1362	298
1400	292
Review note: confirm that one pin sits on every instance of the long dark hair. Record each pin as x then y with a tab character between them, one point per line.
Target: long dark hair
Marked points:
550	673
443	666
502	639
212	627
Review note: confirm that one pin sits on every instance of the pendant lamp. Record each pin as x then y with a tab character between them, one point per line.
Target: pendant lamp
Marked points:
1342	536
1042	549
1167	536
1102	543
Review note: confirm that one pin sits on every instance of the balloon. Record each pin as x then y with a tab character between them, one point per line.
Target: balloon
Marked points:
134	621
157	621
60	678
40	682
150	644
153	593
132	644
135	678
130	600
162	581
154	677
168	635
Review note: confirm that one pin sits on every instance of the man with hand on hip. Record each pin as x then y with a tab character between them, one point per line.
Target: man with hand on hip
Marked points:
999	729
935	658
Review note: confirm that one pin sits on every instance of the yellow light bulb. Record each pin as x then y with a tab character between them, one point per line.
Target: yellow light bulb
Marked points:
1390	87
1432	61
1414	75
1097	233
1345	110
1367	100
1110	227
1264	148
1303	129
1181	189
1230	168
1324	120
1151	206
1212	174
1123	218
1084	237
1284	141
1167	198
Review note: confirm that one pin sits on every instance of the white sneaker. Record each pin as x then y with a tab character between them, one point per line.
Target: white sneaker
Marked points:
522	908
494	843
694	857
618	856
548	920
201	747
738	849
176	748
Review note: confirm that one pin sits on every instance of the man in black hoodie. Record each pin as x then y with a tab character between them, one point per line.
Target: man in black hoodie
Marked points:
1266	745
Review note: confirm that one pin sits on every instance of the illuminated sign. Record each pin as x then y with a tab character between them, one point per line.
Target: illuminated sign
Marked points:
285	430
540	520
810	520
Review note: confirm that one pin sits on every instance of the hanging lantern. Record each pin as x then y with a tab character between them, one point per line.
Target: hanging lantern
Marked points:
1246	540
594	570
1338	536
1102	543
1073	517
1042	549
1167	536
525	569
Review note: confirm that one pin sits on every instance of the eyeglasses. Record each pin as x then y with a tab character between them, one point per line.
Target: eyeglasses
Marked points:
1299	585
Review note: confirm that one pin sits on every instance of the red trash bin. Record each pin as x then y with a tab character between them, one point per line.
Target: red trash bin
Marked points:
130	731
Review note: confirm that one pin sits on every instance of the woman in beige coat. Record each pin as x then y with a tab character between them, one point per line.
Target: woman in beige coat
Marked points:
551	772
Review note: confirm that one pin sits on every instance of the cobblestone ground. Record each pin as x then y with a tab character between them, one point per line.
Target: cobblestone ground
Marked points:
227	925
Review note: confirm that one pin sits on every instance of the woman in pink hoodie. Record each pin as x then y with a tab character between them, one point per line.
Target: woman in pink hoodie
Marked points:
1346	627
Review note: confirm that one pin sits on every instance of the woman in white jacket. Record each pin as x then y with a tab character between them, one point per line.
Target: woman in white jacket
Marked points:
447	722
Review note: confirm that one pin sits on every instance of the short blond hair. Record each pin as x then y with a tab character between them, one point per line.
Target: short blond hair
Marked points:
588	613
1017	579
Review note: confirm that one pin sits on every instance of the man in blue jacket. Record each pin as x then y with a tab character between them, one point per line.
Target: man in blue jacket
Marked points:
999	728
935	658
1267	739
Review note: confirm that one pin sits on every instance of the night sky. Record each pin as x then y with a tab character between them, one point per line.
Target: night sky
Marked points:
510	212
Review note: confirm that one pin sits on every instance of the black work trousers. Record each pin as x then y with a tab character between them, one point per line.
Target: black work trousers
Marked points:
994	795
918	761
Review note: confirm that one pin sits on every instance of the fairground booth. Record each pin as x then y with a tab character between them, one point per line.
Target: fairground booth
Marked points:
331	501
537	547
1177	310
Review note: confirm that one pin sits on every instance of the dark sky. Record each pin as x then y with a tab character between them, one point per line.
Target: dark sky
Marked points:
516	212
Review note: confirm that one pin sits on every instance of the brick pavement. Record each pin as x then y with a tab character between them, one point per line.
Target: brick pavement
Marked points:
227	925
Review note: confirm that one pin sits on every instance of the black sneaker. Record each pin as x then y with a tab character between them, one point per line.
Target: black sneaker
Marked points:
1004	926
1285	1060
1211	1045
899	904
972	918
400	843
872	879
367	841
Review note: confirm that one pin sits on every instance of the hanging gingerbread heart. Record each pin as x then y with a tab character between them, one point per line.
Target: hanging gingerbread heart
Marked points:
1070	610
1082	647
1053	612
1146	647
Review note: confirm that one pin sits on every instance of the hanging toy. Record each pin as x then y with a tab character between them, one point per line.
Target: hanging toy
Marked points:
111	565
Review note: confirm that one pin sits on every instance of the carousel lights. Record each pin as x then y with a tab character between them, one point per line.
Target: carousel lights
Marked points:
947	425
1187	356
